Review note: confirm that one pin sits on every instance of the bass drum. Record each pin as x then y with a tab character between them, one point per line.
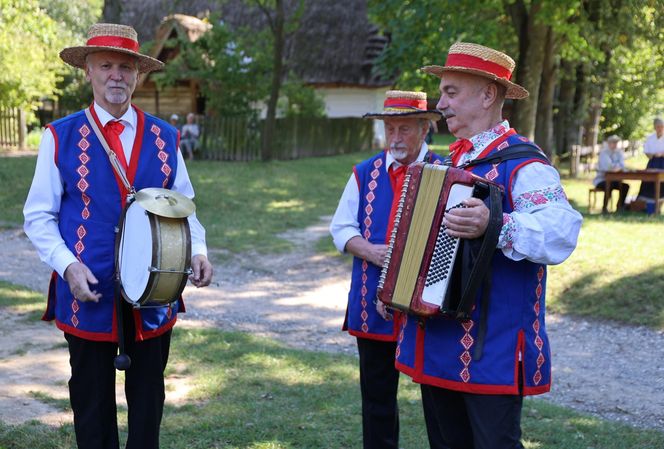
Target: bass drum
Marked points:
153	257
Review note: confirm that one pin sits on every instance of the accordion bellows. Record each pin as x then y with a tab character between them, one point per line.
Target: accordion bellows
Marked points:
420	257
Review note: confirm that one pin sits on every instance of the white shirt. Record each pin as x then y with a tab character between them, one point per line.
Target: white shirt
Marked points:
654	145
609	160
542	228
344	224
43	203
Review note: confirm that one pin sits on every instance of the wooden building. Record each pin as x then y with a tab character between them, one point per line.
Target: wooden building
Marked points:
185	95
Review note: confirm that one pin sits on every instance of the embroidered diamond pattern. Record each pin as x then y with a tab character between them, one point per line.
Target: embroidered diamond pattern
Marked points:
365	265
364	315
378	163
540	360
538	291
82	171
502	146
74	306
83	144
397	352
468	325
467	341
367	234
79	247
465	375
375	173
540	274
364	277
538	342
365	327
537	378
165	169
363	302
84	130
82	185
81	232
160	143
364	290
368	209
85	213
367	221
86	199
169	313
371	197
155	130
74	320
84	158
372	184
536	308
465	358
536	326
163	156
492	174
164	182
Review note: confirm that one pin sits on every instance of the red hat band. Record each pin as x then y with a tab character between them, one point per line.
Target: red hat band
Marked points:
405	103
114	41
473	62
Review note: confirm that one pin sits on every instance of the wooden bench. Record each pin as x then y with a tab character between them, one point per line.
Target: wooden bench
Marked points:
592	197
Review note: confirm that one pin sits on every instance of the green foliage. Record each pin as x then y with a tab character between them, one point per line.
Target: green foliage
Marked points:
299	100
230	73
32	33
29	45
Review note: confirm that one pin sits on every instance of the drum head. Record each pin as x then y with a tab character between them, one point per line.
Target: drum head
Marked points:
135	252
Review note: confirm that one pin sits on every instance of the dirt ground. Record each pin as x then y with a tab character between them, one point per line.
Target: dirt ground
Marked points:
611	371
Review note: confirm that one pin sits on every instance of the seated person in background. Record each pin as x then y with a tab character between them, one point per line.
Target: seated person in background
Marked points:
174	121
611	158
654	150
189	137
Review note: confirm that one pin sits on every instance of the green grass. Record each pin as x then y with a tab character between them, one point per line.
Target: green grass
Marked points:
16	299
253	393
15	179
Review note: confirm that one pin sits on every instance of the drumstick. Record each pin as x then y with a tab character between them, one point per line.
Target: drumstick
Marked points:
122	361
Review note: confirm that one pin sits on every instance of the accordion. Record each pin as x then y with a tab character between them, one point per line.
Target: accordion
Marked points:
421	274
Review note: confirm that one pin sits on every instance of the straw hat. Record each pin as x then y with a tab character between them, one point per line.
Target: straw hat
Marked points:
399	103
110	37
613	138
483	61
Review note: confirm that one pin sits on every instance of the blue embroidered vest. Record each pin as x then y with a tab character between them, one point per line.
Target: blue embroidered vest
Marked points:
439	351
373	215
90	210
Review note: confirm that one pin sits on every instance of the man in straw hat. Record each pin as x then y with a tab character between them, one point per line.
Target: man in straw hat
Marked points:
474	374
361	227
73	206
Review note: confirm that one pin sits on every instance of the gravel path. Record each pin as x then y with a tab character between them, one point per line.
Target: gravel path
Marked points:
610	371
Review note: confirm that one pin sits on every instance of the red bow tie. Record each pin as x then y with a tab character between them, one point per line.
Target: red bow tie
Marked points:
460	147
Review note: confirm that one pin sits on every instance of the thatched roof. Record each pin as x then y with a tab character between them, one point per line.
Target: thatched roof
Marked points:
335	44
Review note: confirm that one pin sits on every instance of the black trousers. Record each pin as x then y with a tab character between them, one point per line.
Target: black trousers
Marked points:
615	185
92	389
471	421
379	382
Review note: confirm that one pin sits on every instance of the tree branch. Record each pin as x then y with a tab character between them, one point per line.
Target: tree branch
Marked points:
266	11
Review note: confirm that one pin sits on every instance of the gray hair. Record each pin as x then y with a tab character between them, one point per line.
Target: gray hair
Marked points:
658	121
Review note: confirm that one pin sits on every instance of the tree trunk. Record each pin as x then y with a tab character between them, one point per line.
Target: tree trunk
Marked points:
112	12
576	130
532	37
544	122
277	69
565	103
597	91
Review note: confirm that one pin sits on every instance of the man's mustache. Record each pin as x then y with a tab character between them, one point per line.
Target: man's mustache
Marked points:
447	113
397	147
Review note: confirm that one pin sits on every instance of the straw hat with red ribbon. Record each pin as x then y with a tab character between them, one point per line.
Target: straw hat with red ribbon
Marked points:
399	103
482	61
110	37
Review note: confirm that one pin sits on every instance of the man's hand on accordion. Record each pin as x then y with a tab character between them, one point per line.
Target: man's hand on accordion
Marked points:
467	222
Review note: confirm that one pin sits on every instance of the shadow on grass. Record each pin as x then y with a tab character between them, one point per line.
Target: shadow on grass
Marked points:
635	299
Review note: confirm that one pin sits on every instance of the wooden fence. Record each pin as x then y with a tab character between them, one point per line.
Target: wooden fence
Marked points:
239	138
12	128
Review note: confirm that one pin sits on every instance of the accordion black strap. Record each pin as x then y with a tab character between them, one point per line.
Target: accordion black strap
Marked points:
482	262
513	152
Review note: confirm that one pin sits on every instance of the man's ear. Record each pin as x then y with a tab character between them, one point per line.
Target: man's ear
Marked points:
489	95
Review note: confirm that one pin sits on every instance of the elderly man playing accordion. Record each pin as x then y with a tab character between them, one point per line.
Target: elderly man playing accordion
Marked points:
361	226
474	372
86	165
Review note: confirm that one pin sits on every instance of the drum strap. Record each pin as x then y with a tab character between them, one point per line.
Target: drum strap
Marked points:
112	157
